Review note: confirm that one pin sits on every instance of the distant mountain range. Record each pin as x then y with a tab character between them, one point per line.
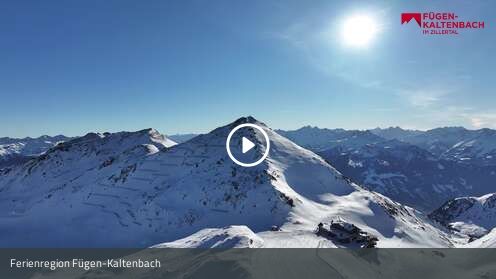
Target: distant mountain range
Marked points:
420	169
17	151
143	188
395	133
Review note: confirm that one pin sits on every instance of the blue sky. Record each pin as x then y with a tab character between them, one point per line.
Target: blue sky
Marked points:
72	67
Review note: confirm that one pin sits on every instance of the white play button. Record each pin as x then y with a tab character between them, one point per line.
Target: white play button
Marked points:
246	145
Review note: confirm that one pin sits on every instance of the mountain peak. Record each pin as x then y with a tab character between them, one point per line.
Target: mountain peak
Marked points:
247	119
223	131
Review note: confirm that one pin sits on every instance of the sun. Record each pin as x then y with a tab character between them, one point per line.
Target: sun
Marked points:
359	30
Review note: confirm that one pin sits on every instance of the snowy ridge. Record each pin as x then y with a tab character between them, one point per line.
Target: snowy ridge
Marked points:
52	195
227	237
475	147
316	192
470	216
417	168
317	139
407	173
479	148
135	188
395	133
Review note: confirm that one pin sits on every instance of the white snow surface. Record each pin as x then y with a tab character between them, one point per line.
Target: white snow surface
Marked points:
487	241
227	237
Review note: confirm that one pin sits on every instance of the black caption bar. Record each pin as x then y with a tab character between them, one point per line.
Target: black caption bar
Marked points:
248	263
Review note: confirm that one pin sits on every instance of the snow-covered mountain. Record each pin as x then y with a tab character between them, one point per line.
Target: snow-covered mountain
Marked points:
317	139
420	169
472	147
439	140
409	174
17	151
470	216
475	147
395	133
227	237
478	149
138	189
52	200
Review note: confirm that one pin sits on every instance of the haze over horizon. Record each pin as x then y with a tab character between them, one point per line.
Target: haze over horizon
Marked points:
118	66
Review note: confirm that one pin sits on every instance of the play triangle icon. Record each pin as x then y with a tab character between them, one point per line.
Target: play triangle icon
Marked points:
246	145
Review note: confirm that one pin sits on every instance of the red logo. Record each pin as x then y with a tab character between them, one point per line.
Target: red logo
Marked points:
406	17
441	23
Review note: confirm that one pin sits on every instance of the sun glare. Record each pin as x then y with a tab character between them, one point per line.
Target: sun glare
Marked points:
359	30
